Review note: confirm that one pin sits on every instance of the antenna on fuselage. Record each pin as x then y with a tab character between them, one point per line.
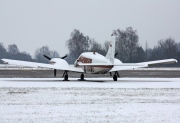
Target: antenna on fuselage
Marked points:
94	52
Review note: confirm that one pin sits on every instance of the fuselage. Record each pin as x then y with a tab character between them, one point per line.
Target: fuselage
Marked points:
92	57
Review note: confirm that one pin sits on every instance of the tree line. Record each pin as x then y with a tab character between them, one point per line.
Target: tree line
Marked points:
12	52
128	49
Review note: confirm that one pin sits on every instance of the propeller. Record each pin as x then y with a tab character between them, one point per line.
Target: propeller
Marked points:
116	54
64	56
47	57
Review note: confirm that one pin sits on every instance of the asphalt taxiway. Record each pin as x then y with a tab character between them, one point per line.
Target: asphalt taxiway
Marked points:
24	73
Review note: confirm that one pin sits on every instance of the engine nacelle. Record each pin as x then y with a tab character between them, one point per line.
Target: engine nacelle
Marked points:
62	62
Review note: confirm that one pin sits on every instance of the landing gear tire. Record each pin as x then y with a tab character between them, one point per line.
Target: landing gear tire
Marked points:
115	77
65	75
82	77
66	78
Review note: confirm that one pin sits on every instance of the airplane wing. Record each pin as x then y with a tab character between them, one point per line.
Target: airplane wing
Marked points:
165	61
119	68
61	65
142	64
116	67
109	64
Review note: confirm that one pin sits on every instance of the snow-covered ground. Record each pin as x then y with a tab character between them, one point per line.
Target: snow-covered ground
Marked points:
92	82
129	100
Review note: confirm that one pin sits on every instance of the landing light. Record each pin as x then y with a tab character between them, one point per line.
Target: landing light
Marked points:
52	62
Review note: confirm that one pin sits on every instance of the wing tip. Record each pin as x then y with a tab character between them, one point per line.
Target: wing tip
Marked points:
4	60
176	61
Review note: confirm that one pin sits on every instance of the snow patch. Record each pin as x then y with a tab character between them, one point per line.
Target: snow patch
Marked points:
92	82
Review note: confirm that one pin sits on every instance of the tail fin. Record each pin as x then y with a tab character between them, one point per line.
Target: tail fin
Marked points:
111	50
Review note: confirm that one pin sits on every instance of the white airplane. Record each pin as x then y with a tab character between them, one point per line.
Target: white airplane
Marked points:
90	63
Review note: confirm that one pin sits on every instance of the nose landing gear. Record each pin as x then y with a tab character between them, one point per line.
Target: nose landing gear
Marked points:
116	75
82	77
65	75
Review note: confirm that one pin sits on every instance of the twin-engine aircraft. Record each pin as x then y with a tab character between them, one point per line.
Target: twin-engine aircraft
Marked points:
90	63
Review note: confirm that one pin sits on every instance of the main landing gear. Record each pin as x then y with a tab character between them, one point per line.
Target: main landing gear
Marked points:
82	77
116	75
65	75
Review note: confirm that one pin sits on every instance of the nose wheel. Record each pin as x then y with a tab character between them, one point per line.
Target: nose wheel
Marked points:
66	78
116	75
65	75
82	77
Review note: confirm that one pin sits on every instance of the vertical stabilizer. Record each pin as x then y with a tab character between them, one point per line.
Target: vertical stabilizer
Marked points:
111	50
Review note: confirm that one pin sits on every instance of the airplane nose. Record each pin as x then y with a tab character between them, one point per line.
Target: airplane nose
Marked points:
76	63
52	62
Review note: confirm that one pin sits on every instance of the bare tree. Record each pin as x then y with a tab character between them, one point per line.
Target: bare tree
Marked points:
165	49
126	43
40	52
78	43
14	53
140	55
3	52
23	56
168	48
95	46
54	54
106	46
13	49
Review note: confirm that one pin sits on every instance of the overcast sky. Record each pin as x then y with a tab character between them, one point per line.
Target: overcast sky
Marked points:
31	24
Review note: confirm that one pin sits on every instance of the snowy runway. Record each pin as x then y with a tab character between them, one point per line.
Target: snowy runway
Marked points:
97	100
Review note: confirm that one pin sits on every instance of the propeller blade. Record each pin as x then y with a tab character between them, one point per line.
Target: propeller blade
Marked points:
47	57
64	57
116	54
55	72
